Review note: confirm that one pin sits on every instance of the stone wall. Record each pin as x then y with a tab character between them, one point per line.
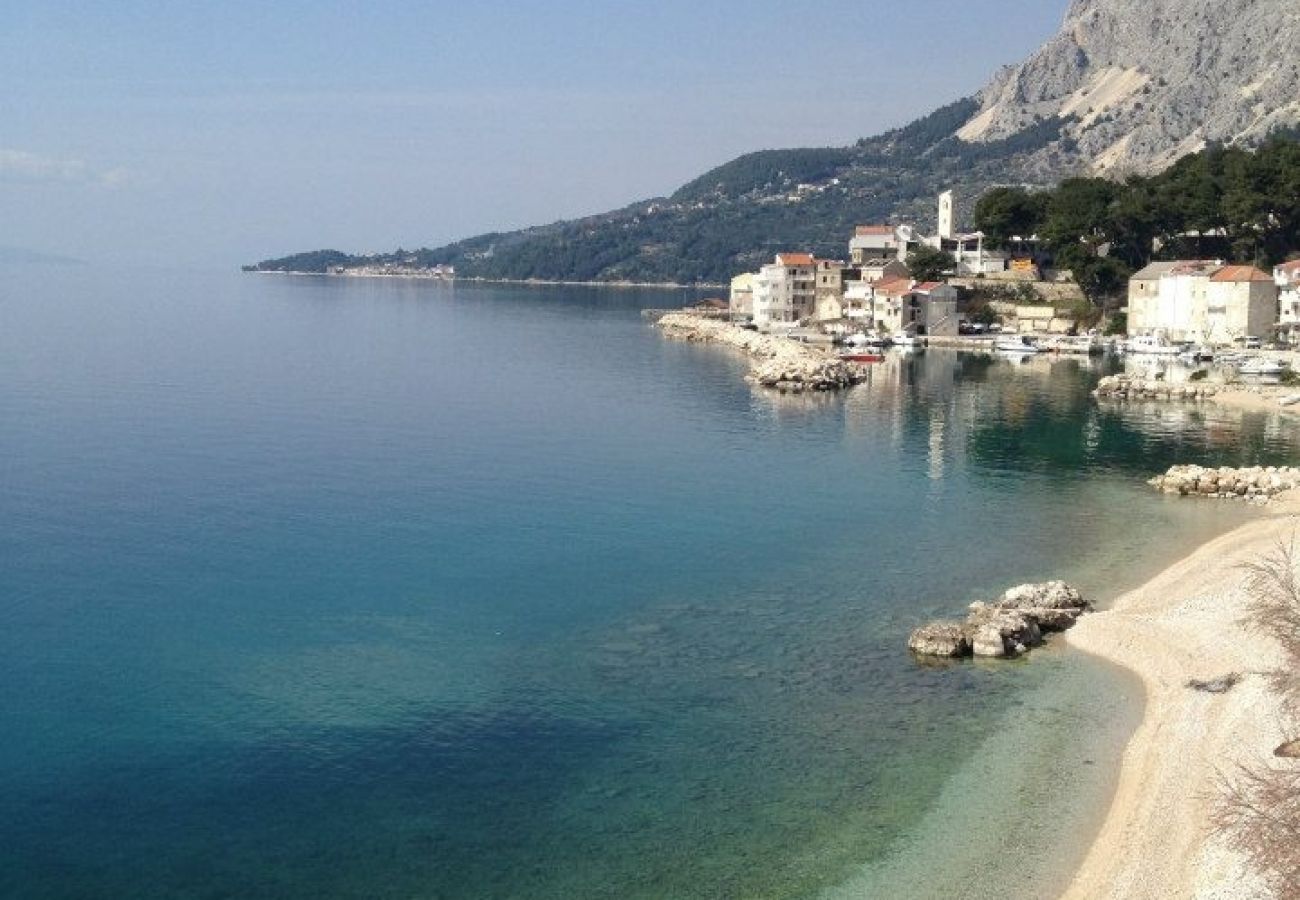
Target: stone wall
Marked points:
1130	387
1256	482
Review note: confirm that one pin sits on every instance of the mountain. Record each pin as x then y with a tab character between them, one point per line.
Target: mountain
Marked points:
1126	86
1144	82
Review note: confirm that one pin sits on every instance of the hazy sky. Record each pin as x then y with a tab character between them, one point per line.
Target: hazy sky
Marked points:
221	133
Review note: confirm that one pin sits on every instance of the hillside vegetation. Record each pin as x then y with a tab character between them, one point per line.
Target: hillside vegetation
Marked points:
737	216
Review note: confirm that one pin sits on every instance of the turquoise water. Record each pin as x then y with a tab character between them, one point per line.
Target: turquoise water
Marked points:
342	588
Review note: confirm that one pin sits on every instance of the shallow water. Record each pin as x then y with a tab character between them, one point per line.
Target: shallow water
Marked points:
343	588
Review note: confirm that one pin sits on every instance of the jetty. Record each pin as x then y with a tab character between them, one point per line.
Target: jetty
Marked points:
776	362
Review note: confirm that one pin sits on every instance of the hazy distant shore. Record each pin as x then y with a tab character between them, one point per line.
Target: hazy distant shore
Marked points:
525	282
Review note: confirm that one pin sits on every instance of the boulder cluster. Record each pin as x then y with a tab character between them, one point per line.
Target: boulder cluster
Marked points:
1130	387
776	362
794	376
1256	482
1007	627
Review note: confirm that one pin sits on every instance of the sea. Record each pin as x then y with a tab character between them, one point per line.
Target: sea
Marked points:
370	588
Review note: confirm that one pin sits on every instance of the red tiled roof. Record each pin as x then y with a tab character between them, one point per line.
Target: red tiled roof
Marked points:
1195	267
892	286
876	230
927	286
1290	268
794	259
1240	273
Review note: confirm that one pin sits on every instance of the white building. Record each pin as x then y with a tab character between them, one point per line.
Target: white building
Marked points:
741	305
773	297
1202	301
967	249
857	301
884	242
1287	279
947	216
785	292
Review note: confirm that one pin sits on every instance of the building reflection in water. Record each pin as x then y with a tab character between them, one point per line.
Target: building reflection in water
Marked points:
947	410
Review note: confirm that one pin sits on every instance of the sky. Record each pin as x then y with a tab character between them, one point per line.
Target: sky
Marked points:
215	134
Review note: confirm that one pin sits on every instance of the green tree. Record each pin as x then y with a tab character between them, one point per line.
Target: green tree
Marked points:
1006	213
1080	212
929	264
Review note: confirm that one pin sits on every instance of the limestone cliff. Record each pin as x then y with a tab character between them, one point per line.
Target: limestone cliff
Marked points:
1143	82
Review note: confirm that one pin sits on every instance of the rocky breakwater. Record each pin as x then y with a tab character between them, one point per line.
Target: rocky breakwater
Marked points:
1006	627
775	362
1255	483
1129	387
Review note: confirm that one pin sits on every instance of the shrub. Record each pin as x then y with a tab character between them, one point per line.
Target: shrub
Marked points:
1258	809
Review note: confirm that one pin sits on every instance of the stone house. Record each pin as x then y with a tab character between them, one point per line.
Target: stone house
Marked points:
828	292
1202	301
882	269
934	309
872	242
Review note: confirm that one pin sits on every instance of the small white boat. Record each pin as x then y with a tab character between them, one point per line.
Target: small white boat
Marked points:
1151	345
1197	355
1016	344
1268	368
1082	344
903	339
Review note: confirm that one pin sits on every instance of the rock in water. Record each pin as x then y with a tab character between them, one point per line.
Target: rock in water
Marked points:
988	642
1008	626
1051	606
944	639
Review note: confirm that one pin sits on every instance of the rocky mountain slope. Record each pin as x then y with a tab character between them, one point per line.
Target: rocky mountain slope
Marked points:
1143	82
1126	86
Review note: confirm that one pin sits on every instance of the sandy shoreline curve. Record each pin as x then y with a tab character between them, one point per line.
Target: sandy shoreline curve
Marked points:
1184	624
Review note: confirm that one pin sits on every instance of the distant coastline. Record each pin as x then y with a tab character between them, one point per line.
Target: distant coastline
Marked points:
525	282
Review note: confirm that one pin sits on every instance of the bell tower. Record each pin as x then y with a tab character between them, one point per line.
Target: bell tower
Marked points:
946	229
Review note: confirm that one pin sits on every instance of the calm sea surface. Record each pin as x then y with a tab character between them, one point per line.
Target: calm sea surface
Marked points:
343	588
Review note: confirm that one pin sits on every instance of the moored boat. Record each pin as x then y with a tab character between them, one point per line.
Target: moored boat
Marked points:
1151	345
1081	344
862	355
1269	368
1017	344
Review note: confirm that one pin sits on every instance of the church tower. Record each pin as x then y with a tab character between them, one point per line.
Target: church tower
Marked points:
946	229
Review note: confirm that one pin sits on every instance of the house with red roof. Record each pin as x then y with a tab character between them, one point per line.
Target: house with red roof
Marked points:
893	305
882	242
1202	301
785	292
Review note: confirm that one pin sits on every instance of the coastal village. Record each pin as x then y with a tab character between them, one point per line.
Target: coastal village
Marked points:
1171	305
